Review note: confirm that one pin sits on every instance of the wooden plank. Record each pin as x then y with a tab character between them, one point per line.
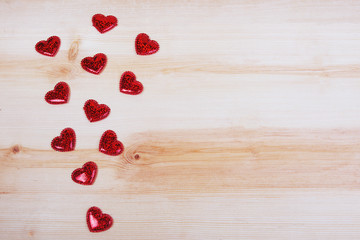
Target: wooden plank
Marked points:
218	184
247	127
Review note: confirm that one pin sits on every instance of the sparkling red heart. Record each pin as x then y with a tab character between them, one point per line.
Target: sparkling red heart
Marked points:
85	175
129	85
94	64
109	144
59	95
94	111
65	142
48	47
98	221
104	24
144	45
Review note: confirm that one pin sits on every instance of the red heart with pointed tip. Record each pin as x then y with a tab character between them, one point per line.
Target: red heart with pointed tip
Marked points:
109	144
145	46
129	85
65	142
104	24
98	221
94	64
59	95
94	111
48	47
85	175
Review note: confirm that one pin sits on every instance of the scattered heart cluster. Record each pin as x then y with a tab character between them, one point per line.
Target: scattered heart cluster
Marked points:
86	175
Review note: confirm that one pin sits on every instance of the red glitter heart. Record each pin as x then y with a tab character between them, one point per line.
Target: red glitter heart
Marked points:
109	144
48	47
85	175
104	24
145	46
65	142
129	85
94	64
59	95
94	111
98	221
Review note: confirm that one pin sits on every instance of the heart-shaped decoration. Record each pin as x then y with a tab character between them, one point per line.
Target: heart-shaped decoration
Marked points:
48	47
109	144
65	142
129	85
85	175
94	111
59	95
98	221
145	46
104	24
94	64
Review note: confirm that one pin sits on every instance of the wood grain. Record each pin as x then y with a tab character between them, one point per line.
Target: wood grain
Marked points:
248	126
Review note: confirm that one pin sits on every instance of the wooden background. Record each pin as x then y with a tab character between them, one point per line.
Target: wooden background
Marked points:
248	126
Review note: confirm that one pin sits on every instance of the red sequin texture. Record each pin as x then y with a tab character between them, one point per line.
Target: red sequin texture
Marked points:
65	142
85	175
59	95
48	47
145	46
94	111
129	85
109	144
94	64
98	221
104	24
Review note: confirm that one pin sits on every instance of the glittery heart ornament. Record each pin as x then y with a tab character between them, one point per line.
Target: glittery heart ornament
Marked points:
65	142
145	46
94	111
59	95
129	85
48	47
104	24
85	175
98	221
94	64
109	144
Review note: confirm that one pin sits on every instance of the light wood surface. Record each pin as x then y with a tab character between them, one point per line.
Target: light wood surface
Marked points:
248	126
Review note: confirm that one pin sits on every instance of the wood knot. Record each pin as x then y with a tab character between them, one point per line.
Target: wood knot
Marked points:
73	50
132	154
31	233
15	149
